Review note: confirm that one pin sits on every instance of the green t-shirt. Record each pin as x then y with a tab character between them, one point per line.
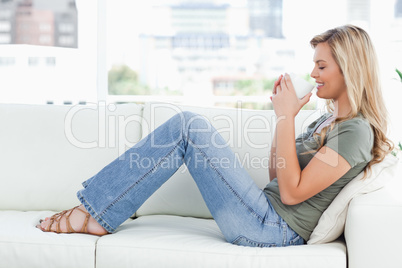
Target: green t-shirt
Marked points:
353	140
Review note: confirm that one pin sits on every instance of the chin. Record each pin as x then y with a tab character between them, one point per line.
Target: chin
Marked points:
320	95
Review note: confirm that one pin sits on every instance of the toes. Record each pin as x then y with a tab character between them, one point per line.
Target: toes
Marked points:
47	219
39	227
44	225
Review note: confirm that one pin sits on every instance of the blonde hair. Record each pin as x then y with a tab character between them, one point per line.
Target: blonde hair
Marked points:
354	53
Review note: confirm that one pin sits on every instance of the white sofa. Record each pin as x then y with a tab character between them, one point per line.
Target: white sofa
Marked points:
46	152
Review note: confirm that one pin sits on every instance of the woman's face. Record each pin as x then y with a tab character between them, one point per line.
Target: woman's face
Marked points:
327	74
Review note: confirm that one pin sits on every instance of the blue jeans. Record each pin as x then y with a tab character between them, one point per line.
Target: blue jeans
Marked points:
241	210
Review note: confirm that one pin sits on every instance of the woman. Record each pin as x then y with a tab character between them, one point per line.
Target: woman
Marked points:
318	164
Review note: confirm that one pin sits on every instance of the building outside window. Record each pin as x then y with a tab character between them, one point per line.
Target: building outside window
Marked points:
398	9
42	58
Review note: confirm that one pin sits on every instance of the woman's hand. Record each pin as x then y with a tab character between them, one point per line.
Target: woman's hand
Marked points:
284	98
277	82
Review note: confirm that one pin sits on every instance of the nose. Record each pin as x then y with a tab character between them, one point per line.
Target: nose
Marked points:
314	73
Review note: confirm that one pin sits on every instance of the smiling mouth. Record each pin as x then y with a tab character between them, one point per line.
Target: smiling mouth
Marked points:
319	85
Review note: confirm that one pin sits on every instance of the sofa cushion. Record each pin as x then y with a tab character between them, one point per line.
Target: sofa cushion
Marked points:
332	222
23	245
249	134
173	241
46	151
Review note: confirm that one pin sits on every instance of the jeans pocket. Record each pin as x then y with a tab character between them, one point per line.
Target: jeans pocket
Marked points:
297	240
244	241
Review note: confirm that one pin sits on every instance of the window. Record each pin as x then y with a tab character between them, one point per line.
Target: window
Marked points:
5	26
5	14
45	27
7	61
5	38
66	40
194	52
66	28
48	51
200	52
42	61
45	39
220	52
33	61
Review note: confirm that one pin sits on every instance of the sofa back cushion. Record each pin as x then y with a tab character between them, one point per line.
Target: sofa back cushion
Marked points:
332	222
249	133
46	151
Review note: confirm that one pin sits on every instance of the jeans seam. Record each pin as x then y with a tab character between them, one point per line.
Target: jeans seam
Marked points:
285	234
237	241
117	199
295	240
255	214
96	216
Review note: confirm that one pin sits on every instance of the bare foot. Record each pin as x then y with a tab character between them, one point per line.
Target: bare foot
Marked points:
75	220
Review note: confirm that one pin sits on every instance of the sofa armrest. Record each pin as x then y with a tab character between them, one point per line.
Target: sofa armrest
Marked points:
372	230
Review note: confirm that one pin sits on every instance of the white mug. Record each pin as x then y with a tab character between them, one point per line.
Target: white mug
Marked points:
301	86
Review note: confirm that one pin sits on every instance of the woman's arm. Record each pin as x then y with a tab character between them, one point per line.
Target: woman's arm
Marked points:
272	157
296	186
325	168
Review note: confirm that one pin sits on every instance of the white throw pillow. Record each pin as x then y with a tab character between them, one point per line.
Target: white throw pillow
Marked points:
332	222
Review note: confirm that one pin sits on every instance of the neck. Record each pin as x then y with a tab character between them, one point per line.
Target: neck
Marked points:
342	107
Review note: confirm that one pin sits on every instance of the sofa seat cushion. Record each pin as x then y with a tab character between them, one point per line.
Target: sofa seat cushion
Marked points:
23	245
174	241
